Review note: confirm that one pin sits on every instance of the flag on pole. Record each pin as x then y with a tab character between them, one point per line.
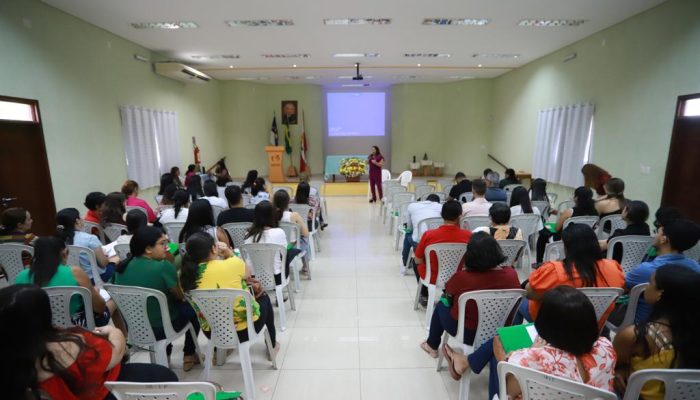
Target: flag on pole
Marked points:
274	137
302	146
287	140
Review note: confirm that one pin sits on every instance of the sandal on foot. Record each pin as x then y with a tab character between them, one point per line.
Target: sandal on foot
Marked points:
426	348
188	362
449	356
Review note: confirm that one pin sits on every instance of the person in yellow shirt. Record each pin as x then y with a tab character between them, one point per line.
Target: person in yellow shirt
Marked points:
208	265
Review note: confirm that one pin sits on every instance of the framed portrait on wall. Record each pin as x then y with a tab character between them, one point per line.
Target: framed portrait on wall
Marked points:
289	112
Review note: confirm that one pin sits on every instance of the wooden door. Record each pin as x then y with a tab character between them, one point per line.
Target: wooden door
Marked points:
681	187
25	180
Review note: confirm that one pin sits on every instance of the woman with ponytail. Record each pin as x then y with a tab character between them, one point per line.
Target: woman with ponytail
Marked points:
69	230
147	267
208	265
178	212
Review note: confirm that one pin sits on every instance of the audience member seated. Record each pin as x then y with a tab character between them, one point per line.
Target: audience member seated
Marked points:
259	191
482	272
211	194
500	227
220	172
478	207
303	196
494	192
583	206
416	212
209	266
113	209
200	218
613	202
635	214
284	214
520	204
509	179
538	191
486	172
69	229
668	339
165	180
131	191
49	269
462	185
175	174
236	211
670	242
191	171
583	266
179	211
16	226
449	232
194	187
93	202
134	220
147	267
250	178
663	216
595	178
41	360
568	346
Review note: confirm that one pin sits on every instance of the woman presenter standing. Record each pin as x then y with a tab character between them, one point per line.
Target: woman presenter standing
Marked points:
376	162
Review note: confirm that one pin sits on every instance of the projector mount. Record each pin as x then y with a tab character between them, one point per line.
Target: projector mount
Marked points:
358	76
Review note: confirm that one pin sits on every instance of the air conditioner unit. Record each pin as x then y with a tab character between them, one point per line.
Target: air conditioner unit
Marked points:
181	72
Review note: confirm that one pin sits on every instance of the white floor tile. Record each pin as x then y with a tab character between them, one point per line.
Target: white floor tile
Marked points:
323	348
318	385
401	384
329	313
331	288
396	347
381	287
387	312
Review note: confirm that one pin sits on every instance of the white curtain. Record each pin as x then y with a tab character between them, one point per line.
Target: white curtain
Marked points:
151	143
563	144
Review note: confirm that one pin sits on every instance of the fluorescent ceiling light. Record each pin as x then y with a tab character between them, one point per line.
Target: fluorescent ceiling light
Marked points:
404	77
461	77
495	55
357	21
293	55
165	25
427	55
352	76
311	77
355	85
260	78
217	57
456	21
546	23
260	22
355	55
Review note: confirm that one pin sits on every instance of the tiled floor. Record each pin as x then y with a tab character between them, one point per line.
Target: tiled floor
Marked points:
354	334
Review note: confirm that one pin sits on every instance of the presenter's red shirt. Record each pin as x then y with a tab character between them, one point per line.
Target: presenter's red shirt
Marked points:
375	168
443	234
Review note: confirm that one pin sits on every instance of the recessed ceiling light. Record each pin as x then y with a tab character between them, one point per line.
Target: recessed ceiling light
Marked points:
495	55
260	78
357	21
260	22
293	55
311	77
355	55
294	65
456	21
479	65
427	55
217	57
355	85
546	23
230	66
461	77
352	76
165	25
404	77
418	65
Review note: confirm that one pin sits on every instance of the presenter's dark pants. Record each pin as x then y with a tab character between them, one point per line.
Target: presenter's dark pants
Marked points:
375	180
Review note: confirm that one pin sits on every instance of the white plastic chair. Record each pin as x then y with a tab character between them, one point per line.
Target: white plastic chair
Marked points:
447	188
131	301
291	230
494	307
237	231
396	200
173	230
158	198
113	231
528	224
123	250
261	257
552	197
143	210
386	175
565	205
509	188
473	222
448	256
679	384
536	385
74	253
216	210
441	195
634	248
693	252
513	250
321	200
405	178
554	251
601	298
591	221
544	207
246	199
423	226
217	307
615	221
423	190
386	205
161	390
401	220
11	259
288	189
94	229
60	298
466	197
305	210
631	311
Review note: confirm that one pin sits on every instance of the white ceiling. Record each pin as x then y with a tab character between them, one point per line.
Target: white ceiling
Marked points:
309	35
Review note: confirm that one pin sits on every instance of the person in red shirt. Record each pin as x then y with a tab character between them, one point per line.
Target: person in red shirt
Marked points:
482	272
93	202
449	232
66	364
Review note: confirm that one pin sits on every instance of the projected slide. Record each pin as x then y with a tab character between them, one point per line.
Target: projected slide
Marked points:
356	114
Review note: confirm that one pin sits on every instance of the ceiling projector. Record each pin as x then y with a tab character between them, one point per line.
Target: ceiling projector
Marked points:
358	76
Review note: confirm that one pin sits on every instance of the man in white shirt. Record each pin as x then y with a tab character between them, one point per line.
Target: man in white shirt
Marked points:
416	212
211	194
478	207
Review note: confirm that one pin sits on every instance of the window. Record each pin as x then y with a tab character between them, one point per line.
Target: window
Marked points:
15	111
691	108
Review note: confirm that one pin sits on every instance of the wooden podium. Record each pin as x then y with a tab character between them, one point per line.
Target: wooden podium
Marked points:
274	163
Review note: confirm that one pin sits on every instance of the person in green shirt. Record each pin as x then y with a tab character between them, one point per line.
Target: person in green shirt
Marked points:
49	269
147	267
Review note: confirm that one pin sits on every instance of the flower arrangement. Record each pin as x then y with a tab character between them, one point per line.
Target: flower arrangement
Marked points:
352	167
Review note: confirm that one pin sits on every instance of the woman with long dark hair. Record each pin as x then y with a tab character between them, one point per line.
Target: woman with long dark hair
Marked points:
509	178
41	360
16	226
113	209
69	230
208	266
520	204
259	191
538	190
668	338
284	214
134	220
249	179
265	230
376	162
179	211
200	218
191	171
175	174
147	267
165	180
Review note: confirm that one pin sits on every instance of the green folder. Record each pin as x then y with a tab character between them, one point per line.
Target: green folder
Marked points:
517	337
219	396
